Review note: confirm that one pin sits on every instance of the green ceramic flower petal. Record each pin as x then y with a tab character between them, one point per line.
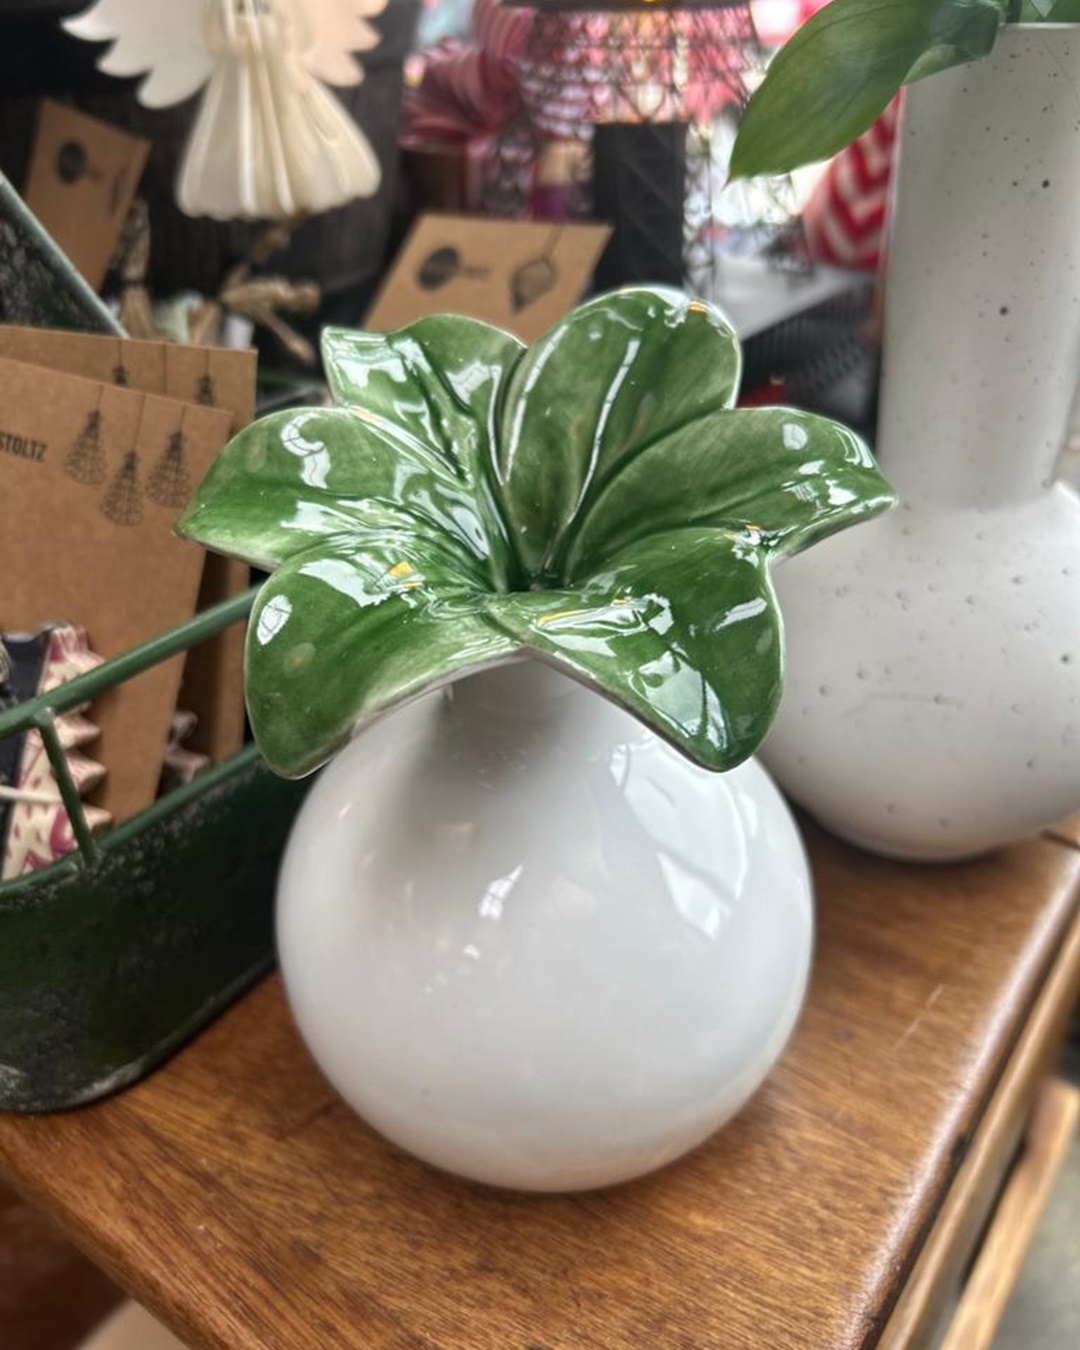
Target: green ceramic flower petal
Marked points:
619	373
786	477
438	379
344	632
299	476
682	629
608	453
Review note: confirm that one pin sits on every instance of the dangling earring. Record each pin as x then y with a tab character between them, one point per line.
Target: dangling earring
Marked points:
204	390
170	483
121	503
86	459
120	375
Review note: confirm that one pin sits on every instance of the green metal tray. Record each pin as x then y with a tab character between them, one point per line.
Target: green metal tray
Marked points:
115	955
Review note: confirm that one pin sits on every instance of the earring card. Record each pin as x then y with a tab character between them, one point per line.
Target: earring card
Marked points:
92	477
223	377
522	276
82	180
213	686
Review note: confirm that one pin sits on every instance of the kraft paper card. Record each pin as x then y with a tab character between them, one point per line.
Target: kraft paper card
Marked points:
216	376
82	180
92	477
221	377
519	275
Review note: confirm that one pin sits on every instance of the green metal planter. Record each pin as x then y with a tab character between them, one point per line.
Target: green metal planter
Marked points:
113	956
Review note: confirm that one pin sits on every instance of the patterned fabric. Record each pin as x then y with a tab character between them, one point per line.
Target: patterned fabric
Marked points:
39	831
466	91
845	218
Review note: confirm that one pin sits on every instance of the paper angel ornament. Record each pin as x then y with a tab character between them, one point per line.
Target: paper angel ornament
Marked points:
270	140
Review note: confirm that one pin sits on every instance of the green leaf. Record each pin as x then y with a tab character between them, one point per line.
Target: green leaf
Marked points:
306	474
836	76
618	373
681	629
347	630
783	477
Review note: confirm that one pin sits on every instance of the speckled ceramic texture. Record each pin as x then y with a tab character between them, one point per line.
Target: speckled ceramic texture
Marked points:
932	707
532	943
595	500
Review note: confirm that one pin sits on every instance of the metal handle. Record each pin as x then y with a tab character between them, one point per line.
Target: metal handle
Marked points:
41	712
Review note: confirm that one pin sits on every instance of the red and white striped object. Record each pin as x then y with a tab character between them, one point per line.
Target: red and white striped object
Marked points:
845	218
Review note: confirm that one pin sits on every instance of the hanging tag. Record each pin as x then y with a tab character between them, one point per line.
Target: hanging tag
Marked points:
214	377
520	275
92	477
219	377
82	180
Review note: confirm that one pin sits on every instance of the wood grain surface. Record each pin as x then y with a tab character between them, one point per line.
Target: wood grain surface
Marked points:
240	1200
50	1296
932	1288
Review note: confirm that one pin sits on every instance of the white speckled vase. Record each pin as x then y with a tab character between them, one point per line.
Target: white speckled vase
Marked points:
932	704
531	943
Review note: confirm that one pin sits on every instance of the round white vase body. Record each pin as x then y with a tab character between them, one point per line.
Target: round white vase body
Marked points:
932	700
532	944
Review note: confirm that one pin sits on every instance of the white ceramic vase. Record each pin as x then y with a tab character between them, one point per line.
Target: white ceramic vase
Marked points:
932	702
531	943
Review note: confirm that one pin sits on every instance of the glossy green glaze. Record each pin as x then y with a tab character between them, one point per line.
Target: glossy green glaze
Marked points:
106	969
595	500
112	956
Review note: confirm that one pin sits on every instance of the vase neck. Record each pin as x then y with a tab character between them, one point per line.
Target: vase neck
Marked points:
982	334
525	689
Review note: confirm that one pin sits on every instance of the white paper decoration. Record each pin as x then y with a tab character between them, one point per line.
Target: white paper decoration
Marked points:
270	141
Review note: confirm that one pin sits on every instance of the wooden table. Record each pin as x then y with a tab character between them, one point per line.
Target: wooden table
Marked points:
240	1200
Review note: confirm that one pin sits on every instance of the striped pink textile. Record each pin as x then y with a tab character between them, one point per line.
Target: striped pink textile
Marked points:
845	218
459	91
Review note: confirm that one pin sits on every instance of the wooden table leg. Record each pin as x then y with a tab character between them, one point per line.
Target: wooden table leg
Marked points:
50	1295
1022	1202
